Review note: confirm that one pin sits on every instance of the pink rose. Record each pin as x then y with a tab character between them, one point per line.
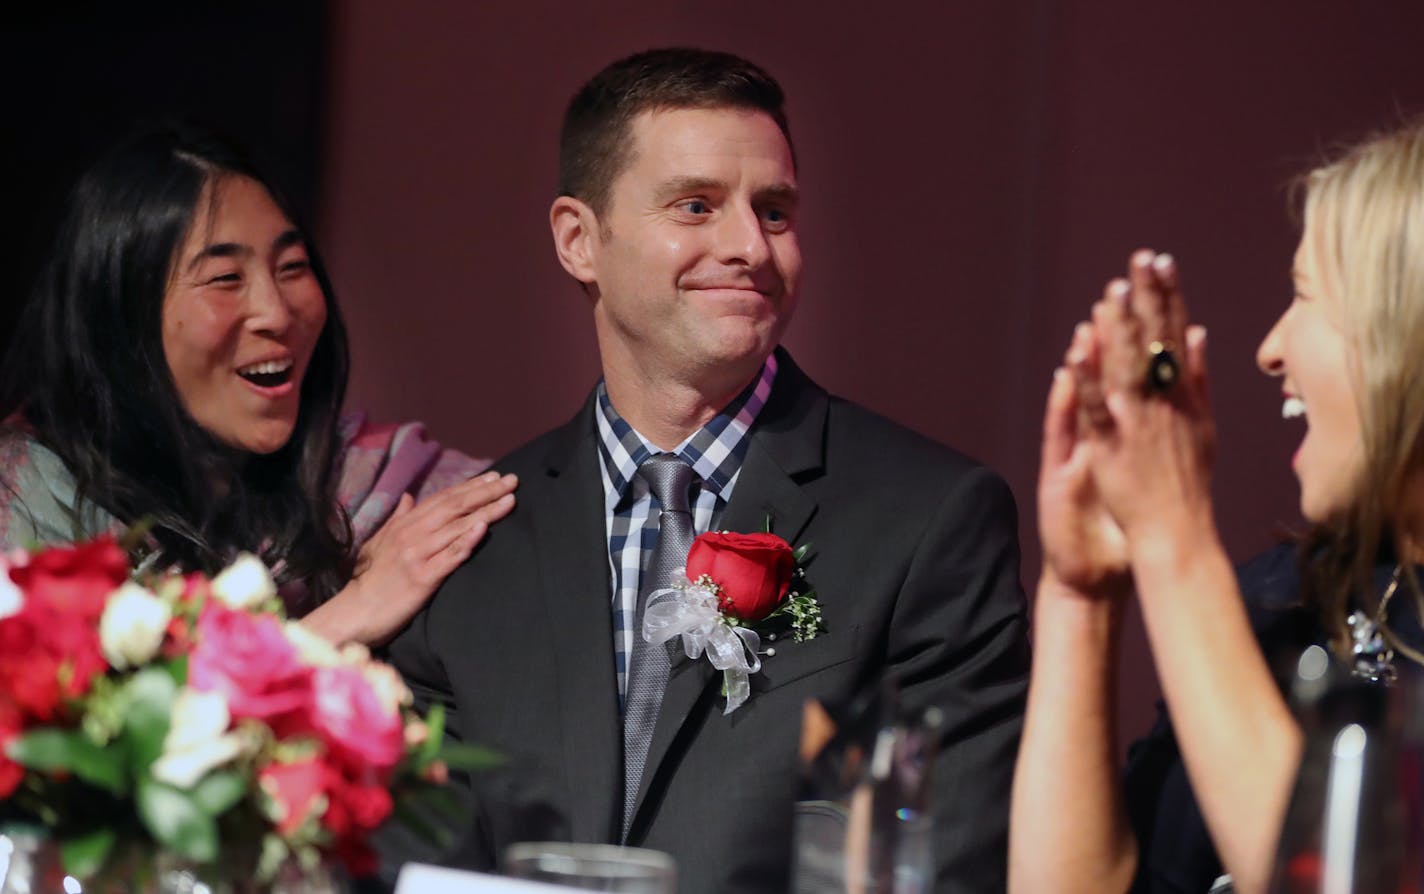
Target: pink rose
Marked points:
249	660
359	727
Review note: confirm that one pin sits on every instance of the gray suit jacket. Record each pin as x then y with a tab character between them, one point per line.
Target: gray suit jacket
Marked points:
916	567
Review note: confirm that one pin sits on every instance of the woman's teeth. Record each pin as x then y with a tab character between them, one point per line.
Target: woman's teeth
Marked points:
1292	407
268	374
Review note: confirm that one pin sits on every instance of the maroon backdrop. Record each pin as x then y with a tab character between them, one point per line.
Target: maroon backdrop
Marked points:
972	174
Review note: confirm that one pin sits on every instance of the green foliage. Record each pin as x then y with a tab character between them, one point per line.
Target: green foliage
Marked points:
176	821
57	750
219	791
104	710
150	695
84	855
470	758
435	734
805	614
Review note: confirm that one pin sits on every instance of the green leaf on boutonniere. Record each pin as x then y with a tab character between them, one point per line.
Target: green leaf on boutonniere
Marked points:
176	822
150	705
800	552
84	855
216	792
47	749
805	614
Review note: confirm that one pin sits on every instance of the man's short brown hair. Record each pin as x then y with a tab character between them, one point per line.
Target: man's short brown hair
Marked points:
594	142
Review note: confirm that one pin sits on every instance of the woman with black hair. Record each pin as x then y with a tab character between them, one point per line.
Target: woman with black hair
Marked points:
181	365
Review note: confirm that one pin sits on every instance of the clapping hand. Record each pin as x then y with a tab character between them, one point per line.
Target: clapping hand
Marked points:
1148	412
1083	547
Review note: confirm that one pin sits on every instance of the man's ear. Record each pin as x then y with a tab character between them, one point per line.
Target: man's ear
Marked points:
575	230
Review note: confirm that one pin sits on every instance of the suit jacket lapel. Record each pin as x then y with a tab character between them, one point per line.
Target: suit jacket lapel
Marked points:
786	446
572	547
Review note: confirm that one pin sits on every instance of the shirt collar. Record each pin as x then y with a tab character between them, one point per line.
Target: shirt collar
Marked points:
715	451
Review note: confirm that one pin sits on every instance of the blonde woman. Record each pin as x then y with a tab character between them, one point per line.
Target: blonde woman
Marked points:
1125	497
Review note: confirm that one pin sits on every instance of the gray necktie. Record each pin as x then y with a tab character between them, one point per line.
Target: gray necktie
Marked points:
668	478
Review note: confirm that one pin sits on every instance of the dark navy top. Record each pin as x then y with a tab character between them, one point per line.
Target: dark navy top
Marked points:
1175	852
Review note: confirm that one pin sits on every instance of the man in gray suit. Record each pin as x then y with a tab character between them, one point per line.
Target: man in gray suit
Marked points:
677	214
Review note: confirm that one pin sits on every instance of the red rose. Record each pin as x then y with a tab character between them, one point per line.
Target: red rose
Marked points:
358	858
74	580
753	570
354	807
250	661
29	666
10	728
50	649
46	656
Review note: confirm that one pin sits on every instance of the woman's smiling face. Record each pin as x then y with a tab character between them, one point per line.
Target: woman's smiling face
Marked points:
1308	349
241	316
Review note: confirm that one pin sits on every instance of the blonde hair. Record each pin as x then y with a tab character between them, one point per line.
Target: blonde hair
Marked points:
1364	226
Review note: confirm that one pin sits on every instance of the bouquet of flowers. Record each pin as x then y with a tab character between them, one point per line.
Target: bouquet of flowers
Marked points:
183	716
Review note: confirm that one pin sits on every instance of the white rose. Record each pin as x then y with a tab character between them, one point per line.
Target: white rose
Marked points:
132	626
245	583
313	650
197	739
388	686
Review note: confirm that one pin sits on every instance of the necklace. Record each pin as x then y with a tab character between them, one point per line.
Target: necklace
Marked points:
1374	658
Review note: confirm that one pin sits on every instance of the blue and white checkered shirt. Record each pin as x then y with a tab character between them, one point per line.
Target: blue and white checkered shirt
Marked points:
715	452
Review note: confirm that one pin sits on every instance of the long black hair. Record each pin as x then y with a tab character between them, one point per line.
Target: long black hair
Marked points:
87	373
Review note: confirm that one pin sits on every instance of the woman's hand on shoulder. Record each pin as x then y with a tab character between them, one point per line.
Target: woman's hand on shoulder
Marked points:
404	562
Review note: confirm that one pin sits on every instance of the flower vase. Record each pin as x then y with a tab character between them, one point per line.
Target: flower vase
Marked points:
30	863
177	877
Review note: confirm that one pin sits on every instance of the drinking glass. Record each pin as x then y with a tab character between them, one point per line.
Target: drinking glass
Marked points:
593	867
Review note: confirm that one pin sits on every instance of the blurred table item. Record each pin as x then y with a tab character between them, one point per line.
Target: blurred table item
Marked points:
593	867
863	820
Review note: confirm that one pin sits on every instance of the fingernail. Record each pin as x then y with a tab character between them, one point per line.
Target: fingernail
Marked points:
1142	257
1196	336
489	476
1163	263
1119	291
511	477
1059	373
1081	331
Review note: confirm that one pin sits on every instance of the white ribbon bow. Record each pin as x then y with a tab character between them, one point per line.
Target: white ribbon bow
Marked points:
691	611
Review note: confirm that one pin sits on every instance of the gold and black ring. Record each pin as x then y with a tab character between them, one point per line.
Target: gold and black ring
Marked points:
1163	370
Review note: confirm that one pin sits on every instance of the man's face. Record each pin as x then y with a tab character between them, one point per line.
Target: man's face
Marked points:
695	262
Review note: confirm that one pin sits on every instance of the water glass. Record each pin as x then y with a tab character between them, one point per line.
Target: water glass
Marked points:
593	867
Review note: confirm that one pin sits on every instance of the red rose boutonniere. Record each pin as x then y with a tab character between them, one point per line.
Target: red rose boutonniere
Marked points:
739	589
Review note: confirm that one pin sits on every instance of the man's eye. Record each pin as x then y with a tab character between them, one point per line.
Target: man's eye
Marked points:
226	279
776	219
696	206
296	267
